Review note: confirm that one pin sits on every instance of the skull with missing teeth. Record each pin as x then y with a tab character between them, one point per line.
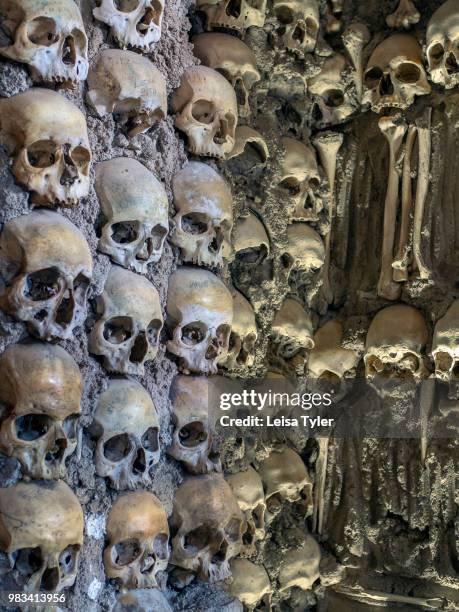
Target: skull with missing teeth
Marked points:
299	24
233	14
200	315
206	111
204	219
134	23
48	36
40	399
127	333
442	45
46	267
127	427
48	138
136	209
129	86
42	533
248	490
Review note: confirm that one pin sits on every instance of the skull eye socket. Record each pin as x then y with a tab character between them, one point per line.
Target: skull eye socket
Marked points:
194	333
408	73
197	539
42	154
70	426
42	285
291	185
126	6
223	333
150	440
443	362
436	53
126	552
195	223
333	98
192	435
158	234
153	331
203	111
125	232
42	31
81	158
68	558
311	26
285	15
274	503
373	77
233	529
118	330
31	427
160	546
117	448
314	183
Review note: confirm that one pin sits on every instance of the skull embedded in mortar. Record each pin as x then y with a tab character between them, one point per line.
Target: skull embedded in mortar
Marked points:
46	268
48	137
142	600
205	108
304	254
206	536
445	348
193	417
126	426
299	25
127	333
442	45
250	584
200	315
138	540
233	59
40	398
133	23
300	566
49	36
136	209
41	530
204	218
233	14
244	334
129	86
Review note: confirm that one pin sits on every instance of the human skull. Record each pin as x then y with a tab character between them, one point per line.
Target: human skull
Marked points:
445	346
233	59
206	111
142	600
251	585
127	427
244	334
136	209
299	25
129	86
248	491
285	478
251	143
134	23
395	341
138	540
304	254
442	45
46	268
48	36
194	422
300	179
41	530
329	359
395	74
253	261
47	135
127	333
233	14
300	566
206	536
200	315
204	219
39	403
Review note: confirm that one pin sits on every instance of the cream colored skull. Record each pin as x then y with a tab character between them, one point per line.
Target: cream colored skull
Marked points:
48	36
136	209
200	315
299	24
395	342
48	138
234	60
194	422
285	478
127	333
305	253
442	45
46	266
127	427
41	530
142	600
395	74
253	265
329	359
206	111
204	219
138	540
134	23
41	395
206	536
251	585
233	14
300	179
251	143
129	86
248	491
445	346
300	566
244	334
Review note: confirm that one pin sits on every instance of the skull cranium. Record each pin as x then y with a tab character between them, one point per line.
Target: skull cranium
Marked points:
445	346
442	45
251	585
298	24
244	334
233	14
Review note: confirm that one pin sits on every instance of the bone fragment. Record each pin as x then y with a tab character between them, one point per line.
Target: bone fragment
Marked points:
319	487
355	38
358	593
424	143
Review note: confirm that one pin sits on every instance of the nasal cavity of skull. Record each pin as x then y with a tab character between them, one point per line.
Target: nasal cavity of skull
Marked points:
195	223
42	154
56	453
451	63
118	330
42	31
117	448
409	73
69	54
192	435
125	232
197	539
30	427
140	465
70	173
139	349
203	111
194	333
50	579
42	285
333	98
67	559
65	310
27	561
126	552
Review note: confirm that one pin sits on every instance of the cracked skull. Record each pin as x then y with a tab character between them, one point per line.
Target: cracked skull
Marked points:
41	530
298	24
193	418
48	36
134	23
136	209
127	333
442	45
200	315
127	427
40	403
244	334
48	138
206	111
129	86
46	268
204	218
206	536
138	540
445	346
233	14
